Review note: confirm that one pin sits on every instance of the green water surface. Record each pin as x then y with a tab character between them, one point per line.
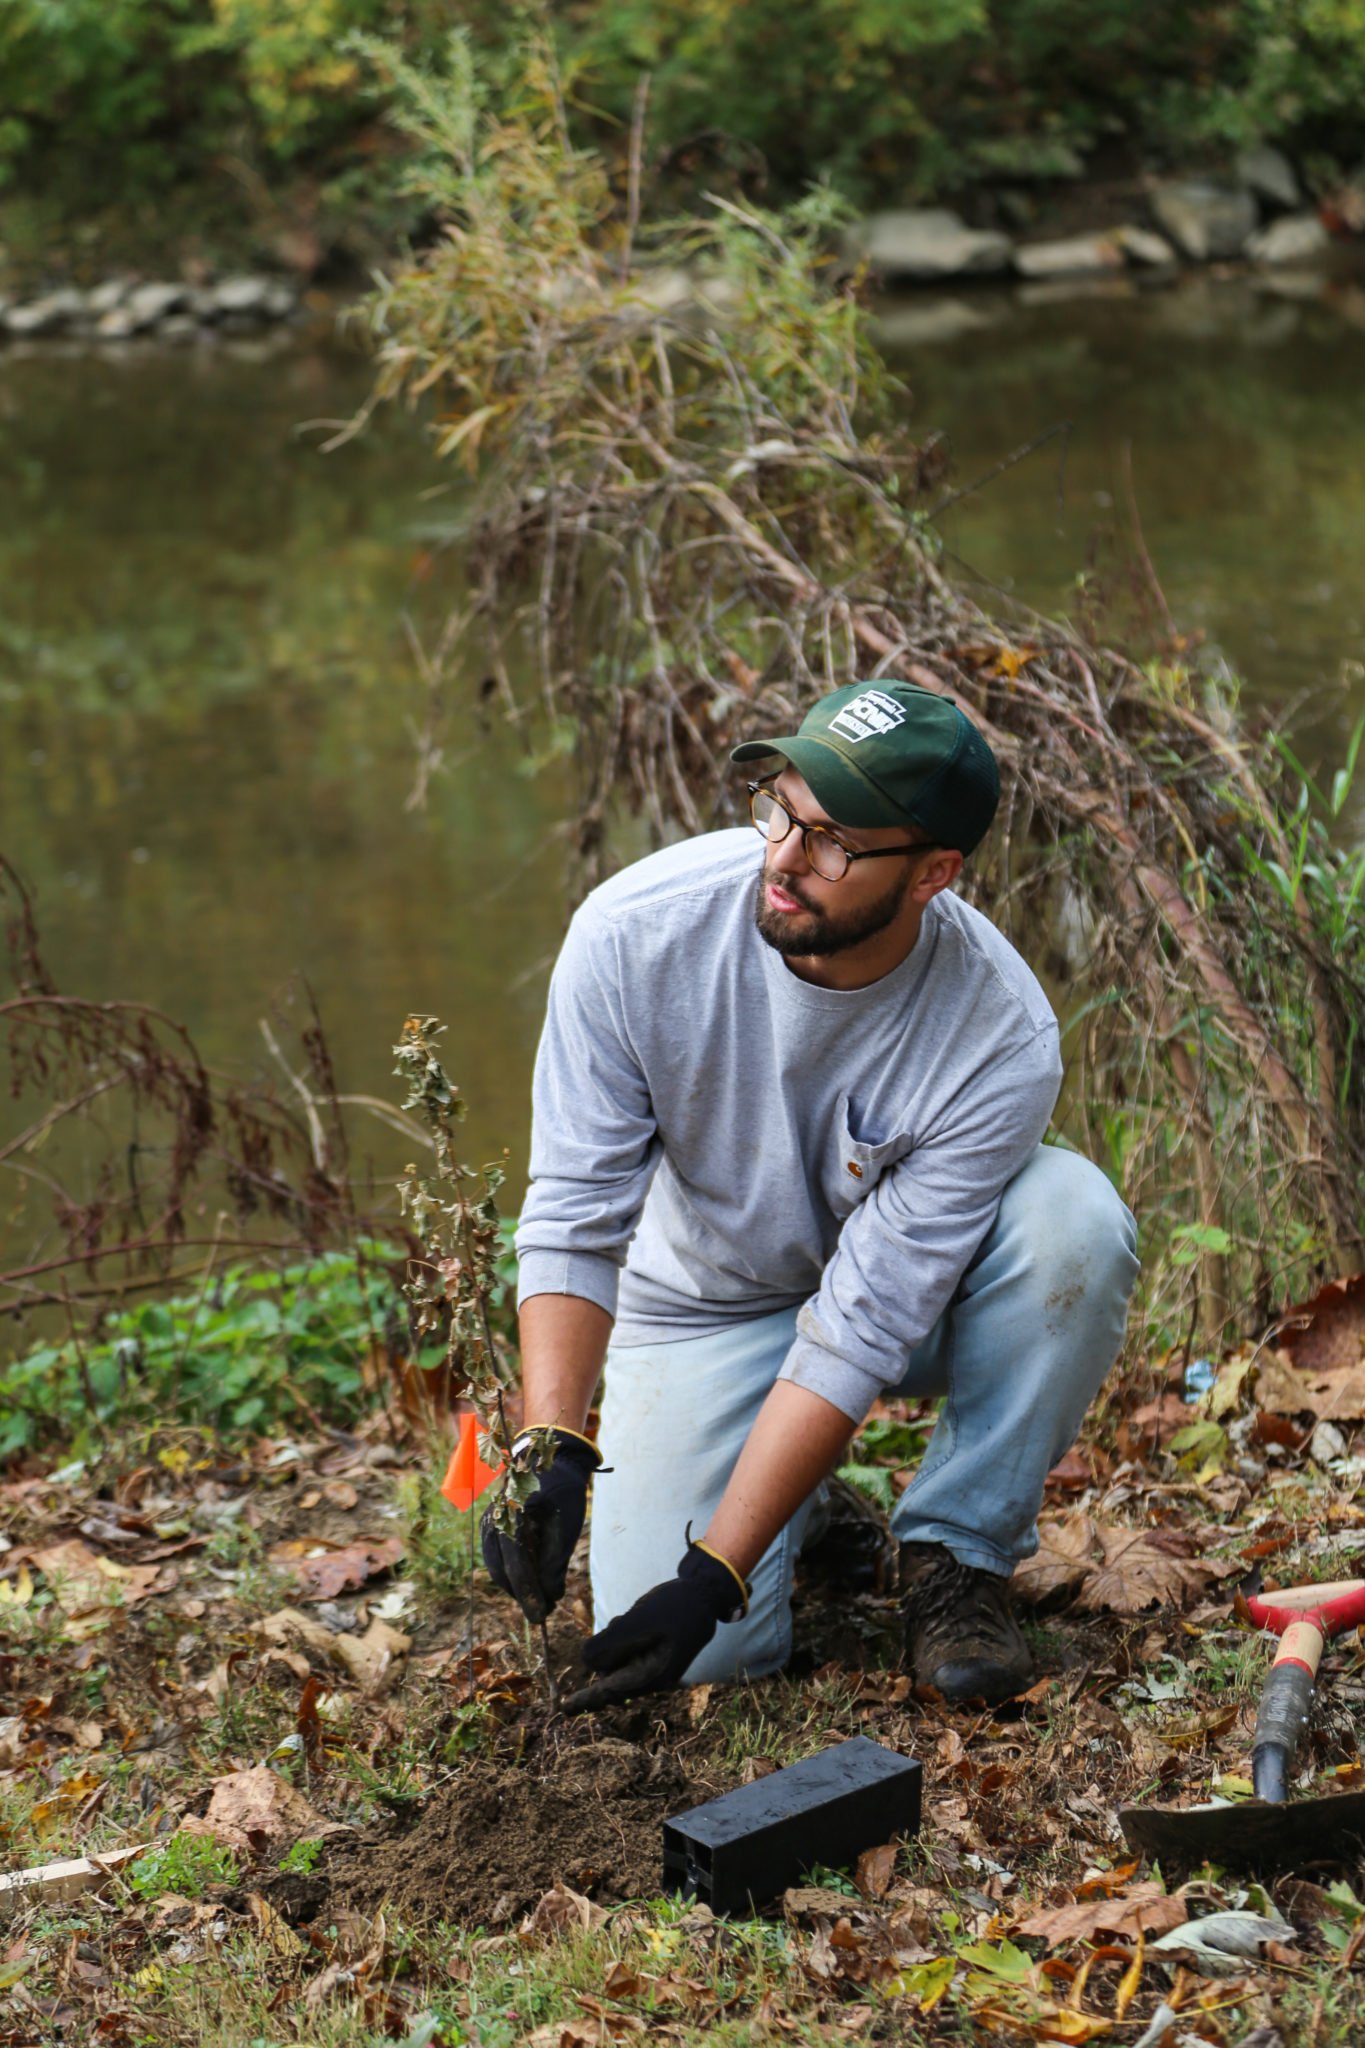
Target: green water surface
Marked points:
207	694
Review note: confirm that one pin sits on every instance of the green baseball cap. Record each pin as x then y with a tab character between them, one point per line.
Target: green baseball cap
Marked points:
893	754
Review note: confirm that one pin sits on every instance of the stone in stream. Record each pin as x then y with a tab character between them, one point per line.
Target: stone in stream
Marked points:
48	315
930	242
148	304
1144	247
104	297
117	324
1295	238
1074	256
1269	174
243	296
932	321
1204	218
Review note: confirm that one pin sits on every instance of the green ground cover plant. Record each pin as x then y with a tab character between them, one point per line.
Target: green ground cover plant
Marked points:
247	1350
186	1864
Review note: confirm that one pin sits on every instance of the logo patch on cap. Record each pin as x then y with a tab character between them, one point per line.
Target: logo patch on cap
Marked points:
873	712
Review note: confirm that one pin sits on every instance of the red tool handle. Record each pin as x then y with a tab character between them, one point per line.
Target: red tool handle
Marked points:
1304	1618
1333	1607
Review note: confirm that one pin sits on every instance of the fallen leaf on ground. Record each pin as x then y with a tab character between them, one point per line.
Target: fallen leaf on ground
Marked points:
1281	1389
1327	1334
18	1591
88	1587
566	2034
1144	1568
274	1929
397	1603
1108	1884
562	1911
1194	1732
1062	1561
82	1578
1145	1910
622	1982
340	1975
814	1902
1078	1468
924	1981
1325	1342
1155	1422
368	1658
1222	1943
339	1571
698	1703
873	1873
251	1809
50	1815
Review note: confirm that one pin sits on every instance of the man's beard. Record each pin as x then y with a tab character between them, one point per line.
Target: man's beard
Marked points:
814	934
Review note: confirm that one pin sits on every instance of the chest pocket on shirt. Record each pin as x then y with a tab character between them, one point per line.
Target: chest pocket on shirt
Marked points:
852	1165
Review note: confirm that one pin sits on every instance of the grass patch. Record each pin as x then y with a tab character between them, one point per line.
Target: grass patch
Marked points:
441	1542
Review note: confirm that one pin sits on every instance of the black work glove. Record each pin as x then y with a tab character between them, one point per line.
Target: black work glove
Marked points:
529	1561
648	1648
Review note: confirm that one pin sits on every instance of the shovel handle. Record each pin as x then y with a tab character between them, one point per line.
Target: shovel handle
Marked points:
1286	1702
1334	1607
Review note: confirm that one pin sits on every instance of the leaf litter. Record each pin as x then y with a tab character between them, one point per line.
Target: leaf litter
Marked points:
250	1690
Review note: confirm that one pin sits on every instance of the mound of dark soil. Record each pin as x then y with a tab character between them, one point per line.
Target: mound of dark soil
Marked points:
486	1847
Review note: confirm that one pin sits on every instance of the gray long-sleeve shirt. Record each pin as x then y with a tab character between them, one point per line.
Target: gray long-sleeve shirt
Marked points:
743	1141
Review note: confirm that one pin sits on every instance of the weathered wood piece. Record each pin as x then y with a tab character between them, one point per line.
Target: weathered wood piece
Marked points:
67	1878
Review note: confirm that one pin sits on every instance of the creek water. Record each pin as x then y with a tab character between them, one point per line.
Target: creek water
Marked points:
207	692
1226	412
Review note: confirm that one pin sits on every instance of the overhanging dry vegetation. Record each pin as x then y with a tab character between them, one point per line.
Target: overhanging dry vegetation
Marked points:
692	510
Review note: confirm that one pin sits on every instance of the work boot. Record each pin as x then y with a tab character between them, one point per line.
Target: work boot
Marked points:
960	1635
847	1542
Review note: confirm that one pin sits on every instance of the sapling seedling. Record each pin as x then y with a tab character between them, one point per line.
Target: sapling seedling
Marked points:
453	1213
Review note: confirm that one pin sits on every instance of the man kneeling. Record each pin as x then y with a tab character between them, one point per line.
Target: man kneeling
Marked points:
786	1157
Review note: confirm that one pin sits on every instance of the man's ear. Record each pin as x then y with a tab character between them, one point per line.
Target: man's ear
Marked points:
939	872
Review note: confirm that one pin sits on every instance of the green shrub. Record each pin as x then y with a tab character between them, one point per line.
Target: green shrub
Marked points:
887	98
247	1351
838	88
142	91
94	76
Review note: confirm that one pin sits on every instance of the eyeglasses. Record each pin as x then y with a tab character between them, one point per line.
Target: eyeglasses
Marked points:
826	856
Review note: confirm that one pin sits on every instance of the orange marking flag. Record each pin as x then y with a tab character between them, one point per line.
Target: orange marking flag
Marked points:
466	1475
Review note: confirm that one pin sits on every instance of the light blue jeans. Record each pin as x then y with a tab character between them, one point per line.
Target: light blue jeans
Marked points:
1018	1356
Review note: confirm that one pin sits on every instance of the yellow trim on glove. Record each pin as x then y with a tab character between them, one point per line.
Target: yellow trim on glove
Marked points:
532	1430
579	1434
745	1589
